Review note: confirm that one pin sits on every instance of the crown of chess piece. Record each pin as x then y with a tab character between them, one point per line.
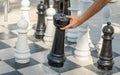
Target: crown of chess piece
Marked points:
56	58
40	29
105	61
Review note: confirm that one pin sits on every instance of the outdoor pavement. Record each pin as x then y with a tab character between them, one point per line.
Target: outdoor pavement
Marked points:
39	50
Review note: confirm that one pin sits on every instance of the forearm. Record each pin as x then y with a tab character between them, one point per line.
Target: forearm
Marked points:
94	8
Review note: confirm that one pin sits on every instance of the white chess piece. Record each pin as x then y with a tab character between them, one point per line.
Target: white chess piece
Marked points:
83	43
22	52
25	7
73	34
50	28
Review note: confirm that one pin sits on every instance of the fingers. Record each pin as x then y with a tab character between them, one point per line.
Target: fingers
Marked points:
66	27
69	17
73	23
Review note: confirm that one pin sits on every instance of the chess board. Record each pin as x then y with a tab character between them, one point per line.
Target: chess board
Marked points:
38	61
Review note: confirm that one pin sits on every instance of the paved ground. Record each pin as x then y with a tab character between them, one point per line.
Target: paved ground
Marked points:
39	50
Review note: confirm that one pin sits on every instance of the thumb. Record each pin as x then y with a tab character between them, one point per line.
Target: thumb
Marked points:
66	27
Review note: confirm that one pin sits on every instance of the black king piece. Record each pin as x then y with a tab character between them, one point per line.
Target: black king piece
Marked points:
40	29
105	61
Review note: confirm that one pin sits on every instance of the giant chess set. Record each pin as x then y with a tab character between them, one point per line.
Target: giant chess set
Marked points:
48	50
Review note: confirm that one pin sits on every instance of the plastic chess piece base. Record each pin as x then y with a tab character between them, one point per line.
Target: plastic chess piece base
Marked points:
39	36
22	61
56	61
105	65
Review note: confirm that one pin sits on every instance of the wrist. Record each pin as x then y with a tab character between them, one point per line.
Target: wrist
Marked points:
80	20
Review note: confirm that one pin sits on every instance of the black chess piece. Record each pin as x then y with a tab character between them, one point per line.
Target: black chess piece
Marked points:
67	5
56	58
40	29
61	6
46	2
105	61
57	5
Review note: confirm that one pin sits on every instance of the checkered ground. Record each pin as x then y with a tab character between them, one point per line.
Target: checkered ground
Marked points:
39	50
38	63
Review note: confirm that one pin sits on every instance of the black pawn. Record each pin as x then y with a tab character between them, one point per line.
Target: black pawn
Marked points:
40	29
105	61
56	58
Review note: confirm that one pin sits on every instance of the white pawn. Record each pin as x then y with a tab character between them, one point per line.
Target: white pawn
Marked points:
22	52
50	28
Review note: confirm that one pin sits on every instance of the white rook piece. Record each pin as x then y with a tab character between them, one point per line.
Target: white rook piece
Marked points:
25	7
83	48
73	34
22	52
50	28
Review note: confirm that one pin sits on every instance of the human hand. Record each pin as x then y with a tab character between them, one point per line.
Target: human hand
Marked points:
74	22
